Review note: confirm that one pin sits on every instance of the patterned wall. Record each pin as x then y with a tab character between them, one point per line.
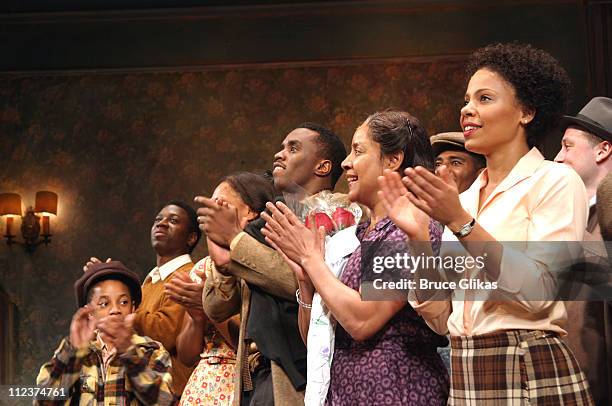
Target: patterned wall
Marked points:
116	146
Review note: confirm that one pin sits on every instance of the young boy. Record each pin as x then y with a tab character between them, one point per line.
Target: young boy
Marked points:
103	361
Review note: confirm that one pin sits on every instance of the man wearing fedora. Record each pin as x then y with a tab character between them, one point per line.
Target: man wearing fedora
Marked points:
463	165
587	147
103	361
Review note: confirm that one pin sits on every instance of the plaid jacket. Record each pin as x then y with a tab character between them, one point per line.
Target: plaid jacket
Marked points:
138	377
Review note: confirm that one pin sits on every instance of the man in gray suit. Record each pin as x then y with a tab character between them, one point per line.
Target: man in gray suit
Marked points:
587	147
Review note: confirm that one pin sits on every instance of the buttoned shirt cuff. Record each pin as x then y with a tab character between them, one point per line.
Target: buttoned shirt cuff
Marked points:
224	284
440	295
430	308
435	313
236	240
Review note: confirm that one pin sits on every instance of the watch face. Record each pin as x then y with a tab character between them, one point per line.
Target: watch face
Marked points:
466	229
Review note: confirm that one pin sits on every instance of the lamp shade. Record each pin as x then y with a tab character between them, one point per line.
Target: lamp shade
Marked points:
10	204
46	202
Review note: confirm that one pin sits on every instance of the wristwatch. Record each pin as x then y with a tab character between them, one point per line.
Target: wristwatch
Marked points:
465	229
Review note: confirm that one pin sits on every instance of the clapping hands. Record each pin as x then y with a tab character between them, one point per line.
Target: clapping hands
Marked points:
116	329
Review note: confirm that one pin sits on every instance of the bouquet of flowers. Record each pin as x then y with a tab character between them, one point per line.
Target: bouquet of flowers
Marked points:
331	210
340	218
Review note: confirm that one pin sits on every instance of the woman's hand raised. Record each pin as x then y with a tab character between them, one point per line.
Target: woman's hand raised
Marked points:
400	209
287	233
436	195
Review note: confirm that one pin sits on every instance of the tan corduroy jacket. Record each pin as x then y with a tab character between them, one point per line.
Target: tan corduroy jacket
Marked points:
225	296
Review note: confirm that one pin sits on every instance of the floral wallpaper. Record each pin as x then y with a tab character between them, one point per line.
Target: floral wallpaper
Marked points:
115	147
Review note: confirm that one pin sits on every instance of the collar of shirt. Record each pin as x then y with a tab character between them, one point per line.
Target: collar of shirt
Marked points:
593	201
162	272
107	354
524	168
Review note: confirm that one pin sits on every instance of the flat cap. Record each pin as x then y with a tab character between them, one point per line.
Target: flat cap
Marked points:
98	272
443	141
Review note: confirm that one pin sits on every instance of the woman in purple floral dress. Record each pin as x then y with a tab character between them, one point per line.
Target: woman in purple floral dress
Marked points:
385	354
400	364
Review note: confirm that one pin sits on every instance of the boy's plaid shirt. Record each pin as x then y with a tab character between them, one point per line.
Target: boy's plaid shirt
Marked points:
138	377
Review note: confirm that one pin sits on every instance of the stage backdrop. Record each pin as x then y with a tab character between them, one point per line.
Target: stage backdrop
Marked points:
115	147
115	143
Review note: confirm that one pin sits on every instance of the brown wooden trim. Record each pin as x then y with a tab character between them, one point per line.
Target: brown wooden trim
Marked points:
256	35
7	339
239	66
3	332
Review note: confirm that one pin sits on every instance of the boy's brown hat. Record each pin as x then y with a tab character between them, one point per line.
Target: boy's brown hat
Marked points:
103	271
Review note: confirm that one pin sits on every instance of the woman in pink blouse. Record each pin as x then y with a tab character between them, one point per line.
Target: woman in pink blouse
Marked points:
508	350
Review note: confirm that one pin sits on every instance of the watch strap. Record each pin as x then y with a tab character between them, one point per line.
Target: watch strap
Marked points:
466	229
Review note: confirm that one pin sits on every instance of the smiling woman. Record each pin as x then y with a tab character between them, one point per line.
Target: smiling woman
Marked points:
508	351
491	117
372	337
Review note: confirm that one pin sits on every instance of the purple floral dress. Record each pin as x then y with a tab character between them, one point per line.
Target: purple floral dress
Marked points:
400	364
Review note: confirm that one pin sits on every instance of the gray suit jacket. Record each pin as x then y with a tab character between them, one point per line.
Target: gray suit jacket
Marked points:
589	327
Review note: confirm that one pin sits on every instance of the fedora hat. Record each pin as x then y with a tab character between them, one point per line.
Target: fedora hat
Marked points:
103	271
595	117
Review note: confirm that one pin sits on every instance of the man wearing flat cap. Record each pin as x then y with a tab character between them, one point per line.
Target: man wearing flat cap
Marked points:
463	165
102	361
587	147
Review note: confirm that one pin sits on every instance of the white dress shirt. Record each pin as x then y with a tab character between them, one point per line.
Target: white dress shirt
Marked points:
162	272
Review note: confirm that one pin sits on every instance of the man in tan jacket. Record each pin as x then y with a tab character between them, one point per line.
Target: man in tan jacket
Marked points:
254	280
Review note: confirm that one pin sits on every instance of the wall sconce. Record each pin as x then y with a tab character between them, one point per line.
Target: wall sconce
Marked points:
45	206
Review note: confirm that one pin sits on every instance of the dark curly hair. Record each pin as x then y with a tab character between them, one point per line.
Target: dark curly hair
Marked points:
539	80
397	131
